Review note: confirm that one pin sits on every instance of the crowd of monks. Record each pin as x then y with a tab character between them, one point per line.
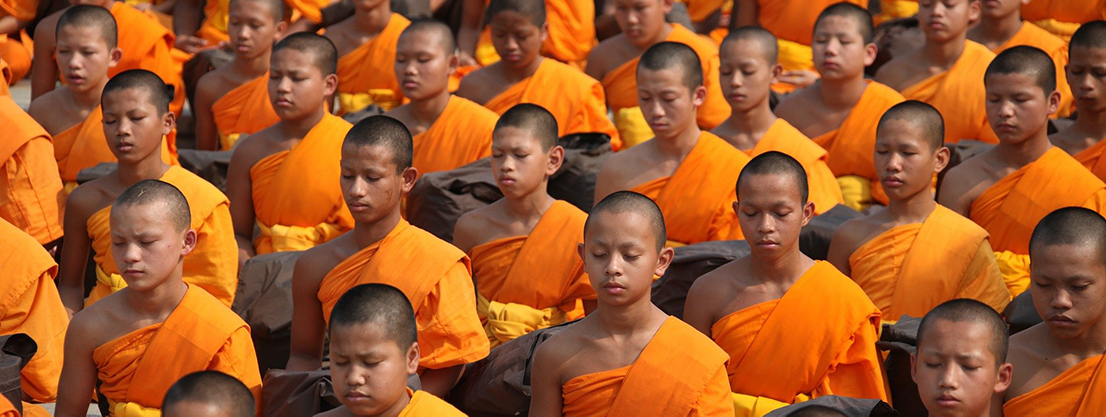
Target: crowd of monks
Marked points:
969	149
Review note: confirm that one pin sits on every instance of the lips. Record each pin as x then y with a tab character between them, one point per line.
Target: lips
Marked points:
124	146
410	84
948	401
357	207
507	180
766	242
891	182
1060	320
282	102
613	288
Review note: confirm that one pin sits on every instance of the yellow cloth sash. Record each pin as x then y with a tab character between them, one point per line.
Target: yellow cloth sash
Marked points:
105	285
1015	271
125	409
752	406
895	9
293	238
382	97
632	127
1062	29
856	191
228	141
796	56
504	322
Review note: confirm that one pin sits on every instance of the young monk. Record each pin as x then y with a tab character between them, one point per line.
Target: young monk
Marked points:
960	364
946	70
619	360
758	307
136	116
748	67
1010	187
137	342
1086	66
282	178
614	63
450	131
1058	364
526	234
30	189
689	172
233	100
518	30
366	45
907	258
840	110
571	32
208	394
383	248
374	347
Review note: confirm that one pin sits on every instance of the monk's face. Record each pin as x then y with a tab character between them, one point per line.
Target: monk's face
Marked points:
839	50
423	64
146	245
956	372
642	21
1068	285
519	164
746	74
1017	107
1087	77
251	28
621	258
369	370
998	9
944	20
84	57
516	39
132	125
771	212
369	5
904	160
371	184
666	102
297	88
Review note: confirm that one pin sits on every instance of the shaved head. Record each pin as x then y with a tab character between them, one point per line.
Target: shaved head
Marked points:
322	51
970	311
159	93
147	192
779	163
1089	35
631	202
535	120
445	36
85	15
385	132
861	16
668	55
767	41
532	9
212	388
920	114
274	7
1025	60
381	305
1070	226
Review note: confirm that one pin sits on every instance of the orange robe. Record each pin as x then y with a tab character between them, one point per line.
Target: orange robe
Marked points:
148	45
1093	160
697	200
571	33
84	146
1063	17
244	110
959	95
851	146
367	75
17	51
316	211
912	268
460	135
436	279
576	100
307	9
1034	36
6	408
427	405
200	334
7	77
30	189
801	355
212	266
1011	208
214	27
792	21
31	305
1079	391
511	302
782	137
679	373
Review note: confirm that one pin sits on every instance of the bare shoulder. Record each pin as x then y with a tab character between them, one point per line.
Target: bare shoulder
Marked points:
477	86
215	83
856	232
50	110
797	104
965	182
47	27
1027	356
341	35
556	351
474	227
101	322
316	263
606	56
899	71
89	198
719	285
256	147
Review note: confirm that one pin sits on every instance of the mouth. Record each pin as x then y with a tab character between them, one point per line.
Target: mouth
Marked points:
766	243
282	102
948	401
614	288
75	79
410	84
131	272
736	98
891	182
830	65
512	57
357	207
507	180
1062	321
124	147
1005	127
936	25
357	397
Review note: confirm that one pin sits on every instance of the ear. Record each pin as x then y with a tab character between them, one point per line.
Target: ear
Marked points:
1005	377
116	55
556	158
698	96
808	211
870	52
169	121
736	204
190	239
975	11
666	5
664	261
413	356
942	155
1053	102
777	70
280	28
914	367
580	252
454	62
330	84
409	176
544	31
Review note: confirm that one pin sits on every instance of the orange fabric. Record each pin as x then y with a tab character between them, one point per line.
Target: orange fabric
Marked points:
200	334
84	146
1079	391
1093	160
794	20
780	341
309	9
212	266
19	9
697	200
782	137
699	10
1082	11
424	404
912	268
17	52
576	100
244	110
372	65
679	373
621	83
959	95
6	75
214	27
1031	35
311	168
436	278
460	135
30	304
571	30
30	188
148	45
6	408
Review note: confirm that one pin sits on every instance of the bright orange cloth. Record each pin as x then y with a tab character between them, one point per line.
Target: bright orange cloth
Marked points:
309	9
1079	391
571	33
1034	36
697	200
460	135
310	169
436	278
576	100
214	27
699	10
244	110
5	77
1093	160
369	71
31	305
17	52
84	146
959	95
782	137
424	404
679	373
912	268
200	334
30	189
792	21
19	9
212	266
819	339
148	45
6	408
1063	17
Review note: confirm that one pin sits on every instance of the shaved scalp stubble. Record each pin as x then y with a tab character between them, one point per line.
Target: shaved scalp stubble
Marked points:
378	304
535	120
861	16
322	51
773	162
386	132
919	114
147	192
275	7
631	202
966	310
214	388
668	55
159	93
767	41
1025	60
1089	35
532	9
86	15
1070	226
445	36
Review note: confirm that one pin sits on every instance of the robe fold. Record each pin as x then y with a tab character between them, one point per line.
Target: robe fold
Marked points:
30	304
679	373
525	283
244	110
1063	17
6	408
823	187
435	276
30	189
316	212
697	200
793	24
1079	391
6	77
200	334
84	146
367	75
912	268
779	351
1057	49
213	29
460	135
959	95
308	9
1093	160
1010	209
424	404
576	100
17	52
212	266
148	45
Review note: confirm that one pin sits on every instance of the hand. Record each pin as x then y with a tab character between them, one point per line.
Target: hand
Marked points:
466	59
190	44
800	78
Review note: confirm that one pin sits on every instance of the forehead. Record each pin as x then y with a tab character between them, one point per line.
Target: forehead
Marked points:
362	337
620	227
129	97
743	50
511	18
367	154
838	23
1011	81
899	130
665	78
636	2
420	40
963	334
1066	260
289	58
145	215
768	187
514	136
87	34
1095	56
251	8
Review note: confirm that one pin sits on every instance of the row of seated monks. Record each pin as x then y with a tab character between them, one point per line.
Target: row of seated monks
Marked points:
703	155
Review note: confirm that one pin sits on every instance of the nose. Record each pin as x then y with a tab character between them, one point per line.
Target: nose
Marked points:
894	163
284	84
358	188
355	377
510	43
508	165
736	80
131	254
614	267
1061	300
632	18
652	109
948	378
766	225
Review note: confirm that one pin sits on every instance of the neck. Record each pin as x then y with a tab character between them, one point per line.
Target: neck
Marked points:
372	21
159	301
253	67
658	38
90	98
842	93
784	270
1091	124
427	111
530	206
365	234
680	144
753	122
516	74
913	209
149	168
1024	153
1087	345
944	54
997	31
625	320
300	128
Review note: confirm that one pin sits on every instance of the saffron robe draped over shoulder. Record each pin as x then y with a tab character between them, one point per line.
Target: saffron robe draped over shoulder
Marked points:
460	135
316	212
697	200
679	373
213	29
825	193
793	24
1011	208
1063	17
367	74
244	110
148	45
571	34
959	95
912	268
1079	391
424	404
84	146
780	352
1034	36
1093	160
30	189
435	276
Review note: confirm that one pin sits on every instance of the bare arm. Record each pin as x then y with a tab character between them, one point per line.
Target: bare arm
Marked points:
308	325
698	307
186	21
74	254
44	78
240	194
744	13
10	25
841	248
545	386
440	381
472	14
78	372
207	136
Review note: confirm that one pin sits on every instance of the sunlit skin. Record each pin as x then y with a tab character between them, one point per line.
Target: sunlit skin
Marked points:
372	184
642	21
944	20
621	257
84	57
904	161
1068	285
1086	72
132	125
519	165
745	74
194	409
839	52
1017	107
667	104
423	66
517	41
956	372
369	370
247	25
771	212
294	79
147	248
